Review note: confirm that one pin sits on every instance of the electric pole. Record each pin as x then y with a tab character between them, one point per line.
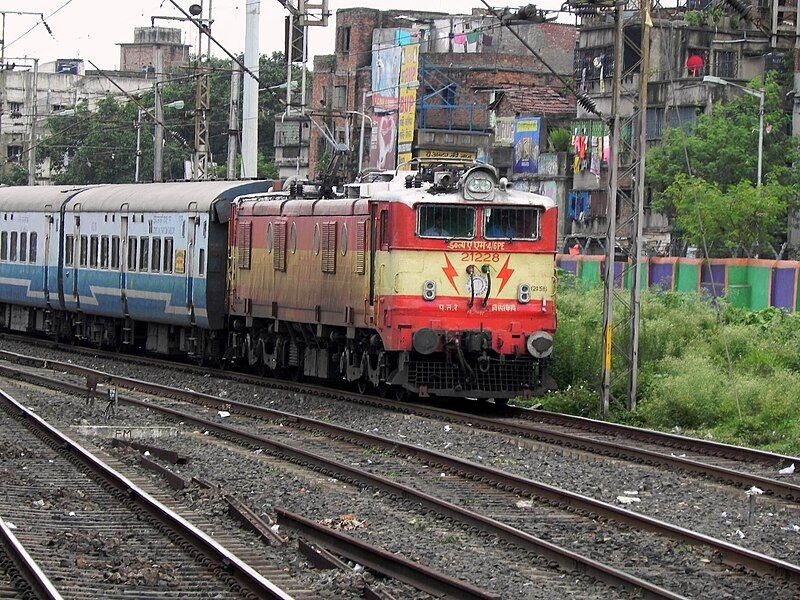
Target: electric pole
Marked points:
202	103
34	116
158	138
250	96
233	122
626	168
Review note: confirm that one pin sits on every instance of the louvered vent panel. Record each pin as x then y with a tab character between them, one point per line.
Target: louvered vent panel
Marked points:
329	247
243	244
279	251
361	239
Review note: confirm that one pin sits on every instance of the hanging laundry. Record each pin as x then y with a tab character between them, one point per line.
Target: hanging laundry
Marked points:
576	164
580	146
473	37
487	41
578	205
460	39
594	164
606	149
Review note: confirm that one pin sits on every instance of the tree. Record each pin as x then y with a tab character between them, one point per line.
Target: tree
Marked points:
11	174
703	177
100	146
723	147
741	219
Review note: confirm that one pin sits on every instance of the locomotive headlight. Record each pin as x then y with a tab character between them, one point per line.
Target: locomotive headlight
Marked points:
429	290
524	293
540	344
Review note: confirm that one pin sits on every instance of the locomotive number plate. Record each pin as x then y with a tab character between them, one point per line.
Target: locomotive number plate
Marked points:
480	257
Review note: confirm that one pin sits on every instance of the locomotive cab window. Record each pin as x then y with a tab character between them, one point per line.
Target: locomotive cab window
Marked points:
510	223
446	222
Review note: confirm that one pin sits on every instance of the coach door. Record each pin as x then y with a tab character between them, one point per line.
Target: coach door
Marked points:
74	253
191	250
122	258
45	257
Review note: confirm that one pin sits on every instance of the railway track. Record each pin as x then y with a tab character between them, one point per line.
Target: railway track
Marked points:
464	474
20	575
97	533
728	464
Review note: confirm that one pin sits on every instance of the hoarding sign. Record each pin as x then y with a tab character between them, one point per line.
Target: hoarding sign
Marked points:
526	144
383	142
407	110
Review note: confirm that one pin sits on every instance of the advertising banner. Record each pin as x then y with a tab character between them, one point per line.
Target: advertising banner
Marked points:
429	156
387	57
383	142
526	145
407	111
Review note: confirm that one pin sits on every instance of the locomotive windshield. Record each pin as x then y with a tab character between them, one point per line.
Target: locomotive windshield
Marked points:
448	222
510	223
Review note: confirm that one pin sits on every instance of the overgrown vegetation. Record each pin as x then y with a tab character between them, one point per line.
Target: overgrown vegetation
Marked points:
731	374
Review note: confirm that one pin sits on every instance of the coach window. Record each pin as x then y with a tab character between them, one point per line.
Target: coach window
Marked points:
33	246
144	253
384	229
115	252
23	247
132	246
104	252
69	250
84	255
445	222
155	264
168	245
94	247
4	245
202	267
12	255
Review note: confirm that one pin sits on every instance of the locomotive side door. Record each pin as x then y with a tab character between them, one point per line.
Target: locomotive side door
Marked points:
379	240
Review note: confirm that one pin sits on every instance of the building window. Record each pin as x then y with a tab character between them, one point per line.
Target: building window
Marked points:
724	65
343	38
339	98
14	153
655	123
15	108
56	108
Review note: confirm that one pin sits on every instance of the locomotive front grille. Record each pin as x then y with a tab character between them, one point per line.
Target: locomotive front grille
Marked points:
501	376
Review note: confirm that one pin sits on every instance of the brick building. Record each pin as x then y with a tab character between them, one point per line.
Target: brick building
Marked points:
444	97
140	56
688	42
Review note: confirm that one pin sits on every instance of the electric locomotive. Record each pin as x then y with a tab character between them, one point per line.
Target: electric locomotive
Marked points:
438	282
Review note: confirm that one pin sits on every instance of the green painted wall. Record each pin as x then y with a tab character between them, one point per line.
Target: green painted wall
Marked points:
760	279
686	277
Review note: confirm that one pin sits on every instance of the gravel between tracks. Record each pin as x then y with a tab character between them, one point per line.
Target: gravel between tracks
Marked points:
267	483
689	501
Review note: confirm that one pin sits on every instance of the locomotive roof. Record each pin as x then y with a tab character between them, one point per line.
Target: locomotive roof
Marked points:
145	197
413	196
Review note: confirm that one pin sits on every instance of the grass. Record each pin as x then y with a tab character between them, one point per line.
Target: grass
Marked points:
723	373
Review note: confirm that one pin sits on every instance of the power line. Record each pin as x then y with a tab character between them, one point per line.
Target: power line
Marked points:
40	23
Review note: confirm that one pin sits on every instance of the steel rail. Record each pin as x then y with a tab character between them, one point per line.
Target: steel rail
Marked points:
423	578
243	573
670	440
732	553
30	571
782	489
565	558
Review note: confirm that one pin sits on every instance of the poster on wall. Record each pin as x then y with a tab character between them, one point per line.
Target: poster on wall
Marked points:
383	142
387	57
526	145
407	110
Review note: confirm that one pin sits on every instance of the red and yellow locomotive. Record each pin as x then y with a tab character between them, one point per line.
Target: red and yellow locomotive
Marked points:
438	283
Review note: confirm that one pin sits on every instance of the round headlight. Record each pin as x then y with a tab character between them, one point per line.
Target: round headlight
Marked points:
540	344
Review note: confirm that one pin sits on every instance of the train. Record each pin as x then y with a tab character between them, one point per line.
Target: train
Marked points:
434	282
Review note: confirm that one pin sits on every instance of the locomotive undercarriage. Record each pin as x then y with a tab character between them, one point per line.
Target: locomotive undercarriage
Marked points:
358	357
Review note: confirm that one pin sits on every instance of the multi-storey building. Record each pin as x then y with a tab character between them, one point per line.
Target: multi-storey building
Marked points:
428	85
688	42
140	55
